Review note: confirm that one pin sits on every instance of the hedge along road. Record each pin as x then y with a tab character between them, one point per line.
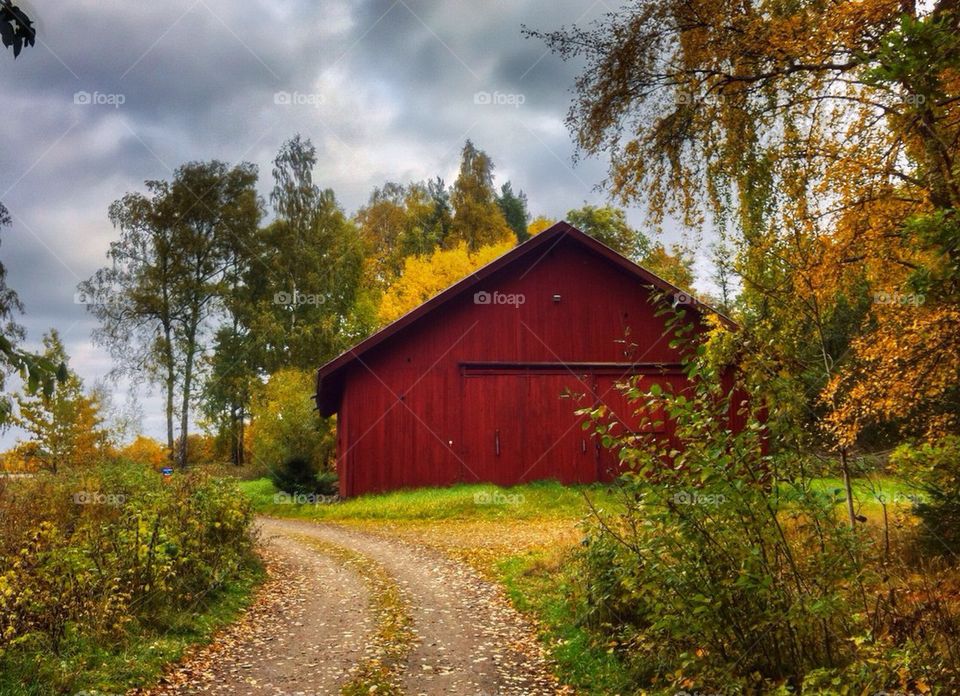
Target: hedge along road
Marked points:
346	611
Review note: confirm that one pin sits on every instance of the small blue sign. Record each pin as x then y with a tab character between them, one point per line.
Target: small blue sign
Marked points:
167	471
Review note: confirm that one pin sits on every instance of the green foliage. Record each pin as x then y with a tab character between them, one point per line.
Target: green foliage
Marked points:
228	388
608	224
168	273
38	373
303	271
934	468
298	475
95	557
514	209
286	427
729	570
400	221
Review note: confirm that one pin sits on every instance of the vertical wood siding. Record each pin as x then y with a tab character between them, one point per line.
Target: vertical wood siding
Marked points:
413	413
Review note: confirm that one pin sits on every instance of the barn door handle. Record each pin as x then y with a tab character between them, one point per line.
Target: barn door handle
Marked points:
496	442
583	446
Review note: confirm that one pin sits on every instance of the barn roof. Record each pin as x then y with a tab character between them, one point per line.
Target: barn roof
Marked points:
330	376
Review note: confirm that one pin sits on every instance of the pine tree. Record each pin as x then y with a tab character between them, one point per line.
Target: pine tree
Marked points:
514	209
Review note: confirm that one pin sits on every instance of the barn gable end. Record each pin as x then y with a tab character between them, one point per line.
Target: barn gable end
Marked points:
481	383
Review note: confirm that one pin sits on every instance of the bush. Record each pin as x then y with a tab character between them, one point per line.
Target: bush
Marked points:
719	578
146	450
934	468
297	476
92	554
327	483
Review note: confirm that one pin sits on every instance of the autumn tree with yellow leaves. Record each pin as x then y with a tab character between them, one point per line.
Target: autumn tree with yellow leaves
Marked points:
426	276
822	137
65	428
477	218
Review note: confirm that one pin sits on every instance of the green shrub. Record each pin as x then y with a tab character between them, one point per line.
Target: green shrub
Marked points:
93	553
327	483
722	577
298	476
934	468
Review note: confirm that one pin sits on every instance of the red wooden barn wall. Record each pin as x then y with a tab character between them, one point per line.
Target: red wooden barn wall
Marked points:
426	407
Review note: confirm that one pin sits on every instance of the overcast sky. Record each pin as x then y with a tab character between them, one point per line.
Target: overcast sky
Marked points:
118	92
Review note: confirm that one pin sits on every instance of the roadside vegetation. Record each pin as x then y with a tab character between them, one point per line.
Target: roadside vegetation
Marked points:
540	540
107	573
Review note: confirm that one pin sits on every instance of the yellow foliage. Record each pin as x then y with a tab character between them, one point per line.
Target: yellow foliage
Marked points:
425	276
904	370
672	265
539	224
146	450
21	459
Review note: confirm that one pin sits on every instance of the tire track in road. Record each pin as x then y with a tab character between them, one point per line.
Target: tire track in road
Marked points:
470	639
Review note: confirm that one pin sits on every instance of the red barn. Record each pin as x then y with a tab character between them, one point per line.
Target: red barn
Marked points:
481	382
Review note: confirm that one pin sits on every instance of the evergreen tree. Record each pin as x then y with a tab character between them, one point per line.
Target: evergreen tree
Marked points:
514	209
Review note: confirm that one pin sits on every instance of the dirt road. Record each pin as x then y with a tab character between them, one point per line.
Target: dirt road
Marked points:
317	623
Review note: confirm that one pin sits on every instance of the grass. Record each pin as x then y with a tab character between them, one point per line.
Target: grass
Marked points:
543	584
870	495
540	500
84	665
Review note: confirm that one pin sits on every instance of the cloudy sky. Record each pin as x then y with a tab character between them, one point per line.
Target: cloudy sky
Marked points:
118	92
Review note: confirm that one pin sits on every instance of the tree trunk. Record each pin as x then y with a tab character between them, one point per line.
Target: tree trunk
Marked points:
171	387
185	400
241	454
848	487
236	436
240	433
170	395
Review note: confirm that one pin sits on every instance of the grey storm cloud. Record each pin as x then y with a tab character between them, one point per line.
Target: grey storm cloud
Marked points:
115	93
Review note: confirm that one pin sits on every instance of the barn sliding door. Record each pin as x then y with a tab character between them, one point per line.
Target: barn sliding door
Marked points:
522	426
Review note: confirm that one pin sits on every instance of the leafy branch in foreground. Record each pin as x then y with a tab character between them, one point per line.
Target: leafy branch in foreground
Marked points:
730	572
16	28
39	373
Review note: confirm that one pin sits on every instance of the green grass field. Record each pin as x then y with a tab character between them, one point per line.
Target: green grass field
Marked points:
546	499
543	499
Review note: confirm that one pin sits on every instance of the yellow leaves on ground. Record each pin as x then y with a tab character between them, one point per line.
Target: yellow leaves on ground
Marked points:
425	276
